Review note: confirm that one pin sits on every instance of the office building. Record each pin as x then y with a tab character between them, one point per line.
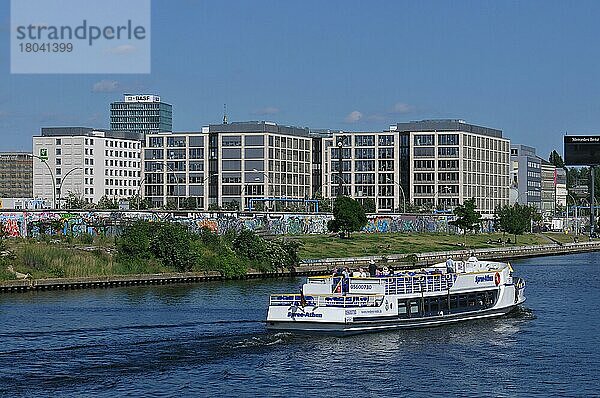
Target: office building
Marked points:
229	165
140	115
435	164
367	166
525	176
175	167
450	161
554	188
16	175
85	162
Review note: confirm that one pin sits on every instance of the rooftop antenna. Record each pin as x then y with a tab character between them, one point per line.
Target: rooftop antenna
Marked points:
224	113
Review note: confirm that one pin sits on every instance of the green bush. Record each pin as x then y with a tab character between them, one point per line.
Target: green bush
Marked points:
250	245
171	244
134	242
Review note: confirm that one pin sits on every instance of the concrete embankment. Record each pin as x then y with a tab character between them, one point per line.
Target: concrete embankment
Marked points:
307	268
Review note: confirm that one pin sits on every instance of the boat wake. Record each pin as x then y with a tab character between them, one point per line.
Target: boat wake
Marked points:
44	333
523	313
263	340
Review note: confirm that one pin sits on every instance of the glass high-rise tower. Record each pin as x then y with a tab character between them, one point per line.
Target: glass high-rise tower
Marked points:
141	114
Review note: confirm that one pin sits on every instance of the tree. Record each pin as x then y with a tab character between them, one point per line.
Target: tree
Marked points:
467	217
138	203
556	159
233	205
324	204
348	216
107	203
516	219
368	205
213	207
73	201
189	203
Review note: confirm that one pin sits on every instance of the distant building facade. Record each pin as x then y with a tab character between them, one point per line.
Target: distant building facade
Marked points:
366	166
141	114
85	162
227	165
16	175
450	161
430	163
554	188
525	176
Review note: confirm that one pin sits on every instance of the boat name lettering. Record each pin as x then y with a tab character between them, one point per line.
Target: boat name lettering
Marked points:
485	278
304	315
370	312
362	286
350	312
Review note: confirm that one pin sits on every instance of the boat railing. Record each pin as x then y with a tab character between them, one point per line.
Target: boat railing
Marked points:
419	283
325	300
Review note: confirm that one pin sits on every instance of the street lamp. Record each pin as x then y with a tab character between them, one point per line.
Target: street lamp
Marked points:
437	192
401	190
171	157
575	213
340	144
269	182
45	162
63	180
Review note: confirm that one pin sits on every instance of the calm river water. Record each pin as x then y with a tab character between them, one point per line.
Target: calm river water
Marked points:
209	340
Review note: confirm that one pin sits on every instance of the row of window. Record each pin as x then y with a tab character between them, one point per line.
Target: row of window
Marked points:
438	305
429	139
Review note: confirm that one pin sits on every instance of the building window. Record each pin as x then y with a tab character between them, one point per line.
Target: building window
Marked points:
254	140
423	140
232	140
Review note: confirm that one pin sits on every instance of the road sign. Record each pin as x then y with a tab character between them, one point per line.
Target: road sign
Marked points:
44	153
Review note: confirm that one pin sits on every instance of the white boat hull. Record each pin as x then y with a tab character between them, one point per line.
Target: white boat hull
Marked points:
382	325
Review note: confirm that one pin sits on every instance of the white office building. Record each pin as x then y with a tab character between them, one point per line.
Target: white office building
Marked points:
366	166
430	163
229	165
85	162
451	161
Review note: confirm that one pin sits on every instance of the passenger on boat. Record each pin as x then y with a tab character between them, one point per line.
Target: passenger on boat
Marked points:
346	280
449	265
372	268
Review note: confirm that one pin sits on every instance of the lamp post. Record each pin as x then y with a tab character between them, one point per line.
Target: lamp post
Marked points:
170	157
401	190
63	180
436	195
575	213
45	162
340	144
269	182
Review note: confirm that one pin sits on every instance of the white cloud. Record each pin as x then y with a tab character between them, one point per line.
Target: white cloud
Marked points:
401	108
122	49
106	86
353	117
269	110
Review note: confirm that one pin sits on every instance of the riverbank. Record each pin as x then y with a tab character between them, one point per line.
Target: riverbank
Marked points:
306	268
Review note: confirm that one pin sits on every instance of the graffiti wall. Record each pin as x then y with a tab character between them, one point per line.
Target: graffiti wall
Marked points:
110	223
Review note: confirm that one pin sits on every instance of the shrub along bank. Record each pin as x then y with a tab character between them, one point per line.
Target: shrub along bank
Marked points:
146	248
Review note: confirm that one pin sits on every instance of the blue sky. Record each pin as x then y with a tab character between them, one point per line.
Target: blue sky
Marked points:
530	68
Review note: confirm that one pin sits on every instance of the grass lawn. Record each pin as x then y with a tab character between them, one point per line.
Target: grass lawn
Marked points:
62	260
361	244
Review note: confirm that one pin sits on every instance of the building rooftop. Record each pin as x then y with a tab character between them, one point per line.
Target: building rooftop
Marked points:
258	127
89	132
446	125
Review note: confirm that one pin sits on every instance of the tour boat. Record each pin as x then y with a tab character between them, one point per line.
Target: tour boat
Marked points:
443	293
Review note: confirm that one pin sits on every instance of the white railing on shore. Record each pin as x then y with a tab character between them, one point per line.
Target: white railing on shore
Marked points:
482	253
